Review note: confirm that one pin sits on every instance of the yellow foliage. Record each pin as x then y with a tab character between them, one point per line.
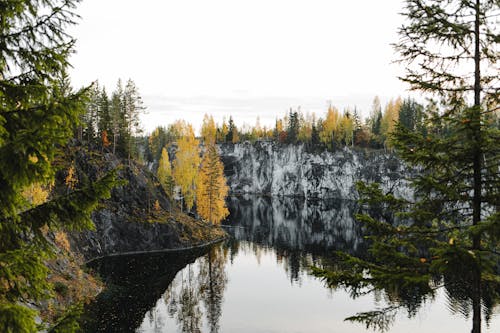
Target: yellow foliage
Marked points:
306	124
331	125
33	159
224	130
164	172
61	240
208	130
211	189
186	163
104	139
236	136
71	179
157	206
279	126
35	194
390	117
347	125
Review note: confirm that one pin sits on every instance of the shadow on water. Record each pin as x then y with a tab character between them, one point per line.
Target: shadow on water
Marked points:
134	283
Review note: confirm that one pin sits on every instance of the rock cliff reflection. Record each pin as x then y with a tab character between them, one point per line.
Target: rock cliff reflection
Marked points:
257	281
295	224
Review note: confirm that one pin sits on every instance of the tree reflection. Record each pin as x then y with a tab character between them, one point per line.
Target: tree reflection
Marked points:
199	290
213	280
189	313
400	293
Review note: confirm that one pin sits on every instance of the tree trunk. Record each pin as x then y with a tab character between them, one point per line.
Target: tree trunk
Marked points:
477	166
476	302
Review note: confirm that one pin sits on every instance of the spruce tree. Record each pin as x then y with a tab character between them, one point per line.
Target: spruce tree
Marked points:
104	122
293	127
132	108
38	114
448	234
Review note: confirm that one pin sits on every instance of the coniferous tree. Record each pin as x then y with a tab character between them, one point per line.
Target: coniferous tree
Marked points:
375	122
157	141
132	108
315	139
91	115
117	123
222	131
38	113
411	116
104	122
293	127
232	135
448	236
211	188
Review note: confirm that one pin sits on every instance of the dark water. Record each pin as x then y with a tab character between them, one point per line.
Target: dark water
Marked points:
259	281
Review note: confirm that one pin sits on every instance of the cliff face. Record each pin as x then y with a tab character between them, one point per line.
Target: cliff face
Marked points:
138	216
290	170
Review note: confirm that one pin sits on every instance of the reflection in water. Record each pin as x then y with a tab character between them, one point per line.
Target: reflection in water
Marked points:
194	298
133	286
314	226
298	230
259	281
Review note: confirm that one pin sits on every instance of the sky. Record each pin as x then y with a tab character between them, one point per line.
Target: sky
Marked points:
245	58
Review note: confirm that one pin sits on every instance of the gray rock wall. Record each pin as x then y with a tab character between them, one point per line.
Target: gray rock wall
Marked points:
290	170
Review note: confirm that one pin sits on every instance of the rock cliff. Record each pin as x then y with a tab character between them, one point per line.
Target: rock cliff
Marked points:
274	169
138	216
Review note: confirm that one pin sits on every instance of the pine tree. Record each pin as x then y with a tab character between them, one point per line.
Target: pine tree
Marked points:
211	188
315	139
157	141
411	115
132	108
448	236
292	127
91	115
104	116
232	135
38	114
117	121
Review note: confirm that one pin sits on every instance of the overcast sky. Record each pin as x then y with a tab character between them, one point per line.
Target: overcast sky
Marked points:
246	58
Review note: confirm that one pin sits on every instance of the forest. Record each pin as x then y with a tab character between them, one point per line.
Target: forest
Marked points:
67	156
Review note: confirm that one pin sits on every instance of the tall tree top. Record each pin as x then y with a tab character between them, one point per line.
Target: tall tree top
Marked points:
438	46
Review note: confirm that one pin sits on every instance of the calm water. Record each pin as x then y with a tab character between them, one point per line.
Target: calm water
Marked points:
259	281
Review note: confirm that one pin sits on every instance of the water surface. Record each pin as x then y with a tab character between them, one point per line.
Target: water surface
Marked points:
259	281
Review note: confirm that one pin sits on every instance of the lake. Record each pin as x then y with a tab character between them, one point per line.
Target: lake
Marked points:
257	281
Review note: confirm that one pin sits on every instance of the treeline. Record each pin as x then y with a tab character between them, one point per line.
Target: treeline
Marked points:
335	129
113	122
